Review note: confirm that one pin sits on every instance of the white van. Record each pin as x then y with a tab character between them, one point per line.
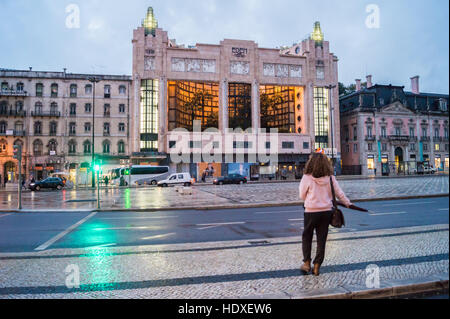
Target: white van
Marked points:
177	179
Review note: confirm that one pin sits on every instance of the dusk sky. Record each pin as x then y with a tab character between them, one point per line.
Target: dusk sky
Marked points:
412	38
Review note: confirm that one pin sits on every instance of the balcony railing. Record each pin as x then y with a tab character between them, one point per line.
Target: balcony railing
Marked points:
46	114
402	138
19	133
370	138
13	133
13	113
425	139
13	93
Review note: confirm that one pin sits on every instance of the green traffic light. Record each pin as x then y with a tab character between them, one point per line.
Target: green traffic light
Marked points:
97	168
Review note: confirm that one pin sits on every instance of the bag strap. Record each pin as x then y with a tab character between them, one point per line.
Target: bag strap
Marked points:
333	193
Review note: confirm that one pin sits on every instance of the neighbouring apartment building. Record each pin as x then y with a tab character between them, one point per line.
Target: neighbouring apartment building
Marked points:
230	85
51	115
388	130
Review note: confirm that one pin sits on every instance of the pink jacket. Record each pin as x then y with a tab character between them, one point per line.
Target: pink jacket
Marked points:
316	192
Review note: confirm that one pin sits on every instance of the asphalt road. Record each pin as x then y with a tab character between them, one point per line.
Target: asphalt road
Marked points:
44	231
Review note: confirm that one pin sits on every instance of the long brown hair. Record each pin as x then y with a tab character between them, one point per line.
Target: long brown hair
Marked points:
318	166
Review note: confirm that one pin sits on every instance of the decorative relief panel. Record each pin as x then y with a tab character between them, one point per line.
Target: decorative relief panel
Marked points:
193	65
282	70
149	63
242	68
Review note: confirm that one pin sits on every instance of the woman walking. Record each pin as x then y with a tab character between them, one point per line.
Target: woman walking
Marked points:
315	191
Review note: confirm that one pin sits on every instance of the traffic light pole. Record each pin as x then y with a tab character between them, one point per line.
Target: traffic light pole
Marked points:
20	183
98	189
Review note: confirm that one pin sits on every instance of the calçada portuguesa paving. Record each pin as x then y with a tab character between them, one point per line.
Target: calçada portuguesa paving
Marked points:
227	195
233	269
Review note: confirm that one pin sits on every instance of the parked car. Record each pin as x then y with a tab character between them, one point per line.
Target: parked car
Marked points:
184	179
48	183
421	170
230	179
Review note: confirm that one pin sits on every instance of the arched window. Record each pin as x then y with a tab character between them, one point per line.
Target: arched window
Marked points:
54	90
54	108
18	142
3	127
3	108
18	127
106	147
73	90
39	89
52	144
37	128
121	147
19	106
38	108
38	147
3	145
72	147
87	147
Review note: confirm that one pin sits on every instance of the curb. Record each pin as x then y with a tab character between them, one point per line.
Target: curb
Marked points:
394	288
216	207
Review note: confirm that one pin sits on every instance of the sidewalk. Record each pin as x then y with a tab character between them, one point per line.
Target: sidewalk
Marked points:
409	260
226	196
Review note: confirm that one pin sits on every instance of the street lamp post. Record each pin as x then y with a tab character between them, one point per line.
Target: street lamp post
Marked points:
93	80
331	87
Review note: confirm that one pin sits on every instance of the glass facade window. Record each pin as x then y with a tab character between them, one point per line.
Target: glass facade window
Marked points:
240	105
149	115
193	101
321	117
277	104
39	89
370	162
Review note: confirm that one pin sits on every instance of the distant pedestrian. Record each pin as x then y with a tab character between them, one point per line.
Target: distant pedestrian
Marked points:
106	181
315	191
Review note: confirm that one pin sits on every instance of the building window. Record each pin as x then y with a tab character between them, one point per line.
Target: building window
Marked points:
443	105
172	144
106	147
239	105
37	128
424	132
19	106
87	147
446	133
383	132
107	110
53	108
52	147
306	145
320	72
346	133
384	147
436	132
3	127
72	129
121	127
412	147
5	86
355	148
370	162
87	127
19	87
72	147
437	147
54	90
73	90
369	146
425	147
39	89
53	128
398	131
38	147
107	90
277	107
121	108
369	131
149	115
87	108
288	145
88	89
38	108
73	109
121	147
411	132
321	112
3	144
446	147
122	90
355	133
347	148
106	131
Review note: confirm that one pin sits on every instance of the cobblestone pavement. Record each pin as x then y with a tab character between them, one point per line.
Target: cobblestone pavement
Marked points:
226	269
275	193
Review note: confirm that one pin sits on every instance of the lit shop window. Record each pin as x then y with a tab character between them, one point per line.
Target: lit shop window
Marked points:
370	163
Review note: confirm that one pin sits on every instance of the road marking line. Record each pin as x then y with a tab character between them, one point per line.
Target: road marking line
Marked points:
395	213
279	212
296	220
221	224
416	203
442	209
209	227
158	236
50	242
101	246
154	217
128	228
4	215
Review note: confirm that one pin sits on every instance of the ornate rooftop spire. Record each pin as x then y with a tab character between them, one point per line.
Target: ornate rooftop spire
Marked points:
150	23
317	34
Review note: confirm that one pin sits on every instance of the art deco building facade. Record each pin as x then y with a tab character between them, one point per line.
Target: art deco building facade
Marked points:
51	115
388	130
233	84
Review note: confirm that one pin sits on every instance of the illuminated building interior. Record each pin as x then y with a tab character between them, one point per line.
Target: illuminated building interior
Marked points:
321	117
282	107
190	101
240	105
149	116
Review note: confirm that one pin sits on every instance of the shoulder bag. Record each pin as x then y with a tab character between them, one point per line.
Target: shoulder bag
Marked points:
337	219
